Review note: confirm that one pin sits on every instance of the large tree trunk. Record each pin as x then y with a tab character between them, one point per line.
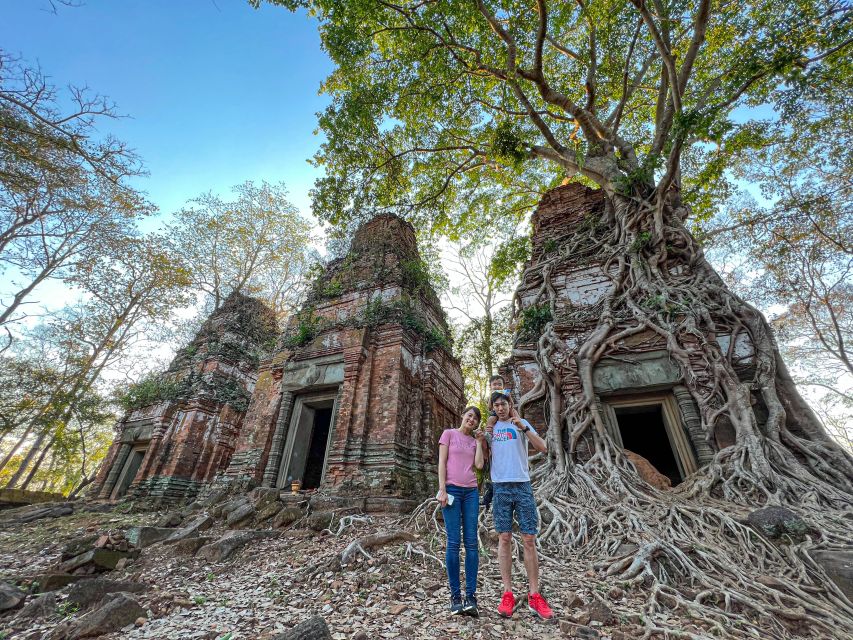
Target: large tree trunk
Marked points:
591	496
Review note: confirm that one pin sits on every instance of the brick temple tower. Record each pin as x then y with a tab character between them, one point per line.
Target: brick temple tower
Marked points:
639	389
182	425
354	398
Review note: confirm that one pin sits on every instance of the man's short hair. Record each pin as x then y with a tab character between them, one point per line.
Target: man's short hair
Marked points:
496	377
504	395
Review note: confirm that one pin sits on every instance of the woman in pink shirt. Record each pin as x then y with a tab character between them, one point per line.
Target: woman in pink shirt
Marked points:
460	451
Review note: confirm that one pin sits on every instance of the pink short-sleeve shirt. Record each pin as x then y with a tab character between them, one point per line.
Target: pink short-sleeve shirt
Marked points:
460	458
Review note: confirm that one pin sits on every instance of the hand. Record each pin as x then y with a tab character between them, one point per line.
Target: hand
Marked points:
518	423
513	413
479	434
490	424
442	498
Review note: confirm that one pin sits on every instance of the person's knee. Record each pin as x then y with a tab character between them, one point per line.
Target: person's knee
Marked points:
529	541
504	538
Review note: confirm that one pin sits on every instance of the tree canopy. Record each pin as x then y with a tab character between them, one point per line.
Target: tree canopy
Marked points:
454	112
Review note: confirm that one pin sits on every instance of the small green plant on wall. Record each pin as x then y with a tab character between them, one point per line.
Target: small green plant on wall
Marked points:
533	321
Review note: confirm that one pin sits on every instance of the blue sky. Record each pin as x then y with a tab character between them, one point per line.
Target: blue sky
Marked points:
217	92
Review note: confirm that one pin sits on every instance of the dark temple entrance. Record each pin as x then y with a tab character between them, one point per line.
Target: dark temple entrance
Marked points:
643	431
316	458
307	447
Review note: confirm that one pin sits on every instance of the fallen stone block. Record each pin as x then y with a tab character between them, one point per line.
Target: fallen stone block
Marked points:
44	512
240	514
141	537
287	516
41	607
79	545
89	592
191	530
269	511
223	548
233	504
776	522
100	558
320	520
171	519
312	629
189	546
120	611
10	596
53	581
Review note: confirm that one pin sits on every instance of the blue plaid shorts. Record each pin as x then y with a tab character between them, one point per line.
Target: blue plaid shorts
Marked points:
515	497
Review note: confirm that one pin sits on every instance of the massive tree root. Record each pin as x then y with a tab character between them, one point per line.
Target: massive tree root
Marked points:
687	548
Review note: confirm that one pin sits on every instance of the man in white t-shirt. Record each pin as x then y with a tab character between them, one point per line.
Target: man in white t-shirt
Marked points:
508	438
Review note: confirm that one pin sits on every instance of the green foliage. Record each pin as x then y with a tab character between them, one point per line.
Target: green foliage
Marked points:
641	242
508	258
415	275
549	246
148	391
307	329
67	608
199	600
533	321
332	289
507	145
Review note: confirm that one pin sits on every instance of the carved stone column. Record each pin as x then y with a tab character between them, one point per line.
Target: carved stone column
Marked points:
278	439
115	470
693	424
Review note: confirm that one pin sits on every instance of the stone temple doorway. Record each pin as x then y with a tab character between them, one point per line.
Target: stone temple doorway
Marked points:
309	436
651	426
128	472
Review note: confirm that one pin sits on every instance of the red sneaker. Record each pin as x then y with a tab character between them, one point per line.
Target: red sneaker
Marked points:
539	606
507	605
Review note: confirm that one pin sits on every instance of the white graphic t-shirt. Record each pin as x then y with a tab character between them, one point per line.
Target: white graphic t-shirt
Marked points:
509	452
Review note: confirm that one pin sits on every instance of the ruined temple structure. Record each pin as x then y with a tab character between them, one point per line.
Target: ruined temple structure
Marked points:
362	384
639	390
349	400
184	427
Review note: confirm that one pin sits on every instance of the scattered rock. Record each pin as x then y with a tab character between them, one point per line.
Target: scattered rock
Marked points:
171	519
572	630
229	543
838	564
647	471
240	515
312	629
397	609
117	612
320	520
359	635
79	545
89	592
600	612
775	522
189	546
262	496
54	581
616	593
269	511
42	607
233	505
98	558
202	522
573	600
10	596
142	537
287	516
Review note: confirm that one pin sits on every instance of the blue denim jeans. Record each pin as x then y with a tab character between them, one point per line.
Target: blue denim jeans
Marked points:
462	515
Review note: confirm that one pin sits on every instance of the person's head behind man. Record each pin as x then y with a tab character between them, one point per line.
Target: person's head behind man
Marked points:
501	404
496	383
